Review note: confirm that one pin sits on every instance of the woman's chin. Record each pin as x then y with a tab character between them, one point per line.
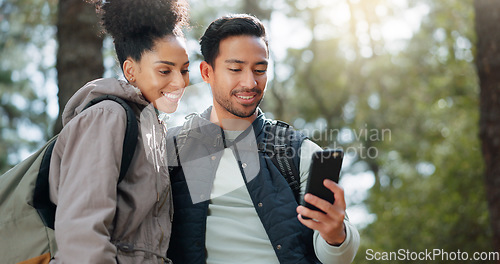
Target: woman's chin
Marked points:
166	106
169	109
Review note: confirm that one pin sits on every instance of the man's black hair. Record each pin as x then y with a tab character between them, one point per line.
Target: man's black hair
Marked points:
228	26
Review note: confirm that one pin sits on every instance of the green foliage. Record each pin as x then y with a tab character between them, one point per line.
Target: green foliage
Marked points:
437	127
423	90
428	190
25	28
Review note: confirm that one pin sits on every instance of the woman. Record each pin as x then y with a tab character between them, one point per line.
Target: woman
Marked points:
97	219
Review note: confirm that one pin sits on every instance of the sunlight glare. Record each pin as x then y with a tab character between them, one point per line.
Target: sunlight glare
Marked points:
338	13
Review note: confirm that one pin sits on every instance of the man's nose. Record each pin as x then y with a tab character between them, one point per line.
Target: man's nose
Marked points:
248	79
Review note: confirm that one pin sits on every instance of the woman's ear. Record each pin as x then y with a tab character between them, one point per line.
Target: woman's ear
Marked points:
207	71
129	70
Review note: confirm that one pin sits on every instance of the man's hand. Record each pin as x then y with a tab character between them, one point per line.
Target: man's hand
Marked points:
330	225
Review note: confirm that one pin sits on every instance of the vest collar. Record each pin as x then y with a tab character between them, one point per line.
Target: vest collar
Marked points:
209	128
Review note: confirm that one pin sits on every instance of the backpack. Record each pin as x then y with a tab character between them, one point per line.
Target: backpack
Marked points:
26	213
281	152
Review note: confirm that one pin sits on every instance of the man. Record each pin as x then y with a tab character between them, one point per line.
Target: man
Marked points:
232	205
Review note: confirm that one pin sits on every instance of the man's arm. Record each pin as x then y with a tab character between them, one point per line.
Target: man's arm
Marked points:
343	238
344	253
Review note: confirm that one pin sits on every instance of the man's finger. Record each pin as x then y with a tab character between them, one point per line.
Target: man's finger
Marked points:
314	214
338	191
318	202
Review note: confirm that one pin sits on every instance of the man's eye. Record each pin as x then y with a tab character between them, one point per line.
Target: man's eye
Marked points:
235	70
261	71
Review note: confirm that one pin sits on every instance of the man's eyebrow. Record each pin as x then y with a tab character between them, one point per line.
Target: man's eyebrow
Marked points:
243	62
235	61
170	63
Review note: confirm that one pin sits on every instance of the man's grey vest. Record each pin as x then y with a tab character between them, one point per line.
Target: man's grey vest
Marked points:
203	143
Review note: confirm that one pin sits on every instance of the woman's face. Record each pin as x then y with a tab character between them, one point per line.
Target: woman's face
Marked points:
162	74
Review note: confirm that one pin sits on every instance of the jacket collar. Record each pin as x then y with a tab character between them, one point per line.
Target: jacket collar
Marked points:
257	124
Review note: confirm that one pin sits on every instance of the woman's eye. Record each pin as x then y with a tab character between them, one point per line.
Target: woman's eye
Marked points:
165	72
185	71
261	71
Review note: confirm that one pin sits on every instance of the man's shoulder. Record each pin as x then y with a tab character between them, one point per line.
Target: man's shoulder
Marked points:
174	131
188	123
293	134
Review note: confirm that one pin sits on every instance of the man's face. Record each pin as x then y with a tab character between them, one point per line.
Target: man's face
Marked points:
239	77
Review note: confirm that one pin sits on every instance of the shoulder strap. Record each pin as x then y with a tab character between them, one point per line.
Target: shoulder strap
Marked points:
131	132
41	196
278	147
184	132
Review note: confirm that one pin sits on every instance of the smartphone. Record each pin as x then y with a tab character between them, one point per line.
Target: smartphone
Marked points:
325	164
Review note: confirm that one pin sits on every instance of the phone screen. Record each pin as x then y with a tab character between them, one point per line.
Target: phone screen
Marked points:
325	164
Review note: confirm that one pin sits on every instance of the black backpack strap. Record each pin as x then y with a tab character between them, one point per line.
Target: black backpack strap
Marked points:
41	196
278	147
131	132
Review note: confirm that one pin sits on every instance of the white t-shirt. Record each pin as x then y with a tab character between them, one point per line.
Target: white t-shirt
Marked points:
235	233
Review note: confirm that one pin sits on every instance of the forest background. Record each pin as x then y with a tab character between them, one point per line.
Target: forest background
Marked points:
406	87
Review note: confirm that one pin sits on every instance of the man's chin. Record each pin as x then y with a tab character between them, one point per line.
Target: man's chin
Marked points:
247	116
238	110
245	113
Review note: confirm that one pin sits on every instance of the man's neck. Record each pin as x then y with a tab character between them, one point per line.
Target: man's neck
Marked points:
228	121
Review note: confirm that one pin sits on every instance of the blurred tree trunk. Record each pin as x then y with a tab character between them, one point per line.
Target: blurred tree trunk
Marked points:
488	66
253	7
79	58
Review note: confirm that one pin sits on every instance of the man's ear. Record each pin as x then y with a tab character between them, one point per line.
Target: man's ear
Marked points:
129	70
207	71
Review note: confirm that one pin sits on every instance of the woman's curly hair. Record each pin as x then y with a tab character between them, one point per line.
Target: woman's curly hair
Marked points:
136	24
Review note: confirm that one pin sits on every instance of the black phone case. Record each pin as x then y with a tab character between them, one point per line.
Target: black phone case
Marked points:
325	164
